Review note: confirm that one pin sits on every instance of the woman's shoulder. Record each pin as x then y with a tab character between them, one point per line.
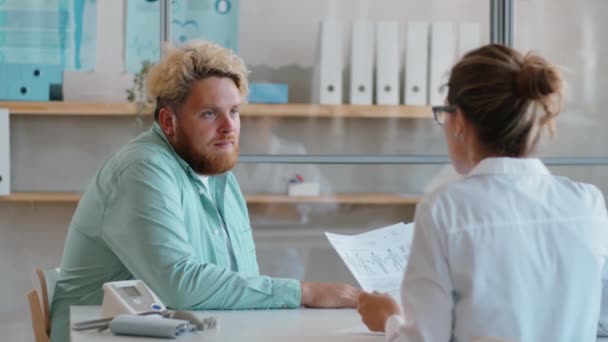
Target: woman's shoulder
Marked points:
579	192
447	199
470	194
450	191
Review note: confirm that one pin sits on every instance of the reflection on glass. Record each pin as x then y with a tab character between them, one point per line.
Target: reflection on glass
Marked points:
130	291
577	48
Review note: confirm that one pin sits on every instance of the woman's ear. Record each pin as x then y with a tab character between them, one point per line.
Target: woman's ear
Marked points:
166	121
459	125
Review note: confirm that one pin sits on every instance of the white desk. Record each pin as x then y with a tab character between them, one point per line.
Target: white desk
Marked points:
252	326
256	325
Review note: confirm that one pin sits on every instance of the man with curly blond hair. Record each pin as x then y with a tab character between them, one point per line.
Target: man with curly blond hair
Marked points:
167	210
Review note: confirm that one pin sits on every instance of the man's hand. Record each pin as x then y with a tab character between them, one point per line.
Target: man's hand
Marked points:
328	295
375	309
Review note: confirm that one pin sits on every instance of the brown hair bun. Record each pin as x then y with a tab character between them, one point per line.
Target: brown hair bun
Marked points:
537	78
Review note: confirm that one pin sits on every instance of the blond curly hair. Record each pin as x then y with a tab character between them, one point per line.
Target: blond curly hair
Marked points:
169	81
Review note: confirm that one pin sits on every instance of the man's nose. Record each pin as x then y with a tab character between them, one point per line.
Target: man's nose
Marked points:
227	124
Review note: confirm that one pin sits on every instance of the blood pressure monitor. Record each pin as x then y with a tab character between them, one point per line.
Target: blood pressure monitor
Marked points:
129	297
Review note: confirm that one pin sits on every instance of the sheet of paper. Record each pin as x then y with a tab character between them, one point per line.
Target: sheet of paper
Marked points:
377	259
358	330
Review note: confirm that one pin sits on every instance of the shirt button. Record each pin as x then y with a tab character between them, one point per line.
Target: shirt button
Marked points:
201	191
217	232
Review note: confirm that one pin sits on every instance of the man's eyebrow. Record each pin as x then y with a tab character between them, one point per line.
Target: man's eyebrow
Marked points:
203	107
216	108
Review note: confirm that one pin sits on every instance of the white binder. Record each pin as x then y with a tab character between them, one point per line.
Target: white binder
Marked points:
387	63
329	69
443	49
469	37
362	63
416	64
5	160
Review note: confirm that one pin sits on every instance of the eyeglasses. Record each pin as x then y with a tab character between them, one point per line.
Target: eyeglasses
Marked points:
440	113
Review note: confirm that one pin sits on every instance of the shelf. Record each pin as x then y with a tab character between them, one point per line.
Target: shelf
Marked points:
71	108
331	111
345	198
250	110
48	197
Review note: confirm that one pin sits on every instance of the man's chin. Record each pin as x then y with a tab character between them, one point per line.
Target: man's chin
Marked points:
220	163
224	156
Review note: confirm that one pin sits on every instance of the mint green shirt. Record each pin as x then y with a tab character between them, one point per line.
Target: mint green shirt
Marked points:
146	215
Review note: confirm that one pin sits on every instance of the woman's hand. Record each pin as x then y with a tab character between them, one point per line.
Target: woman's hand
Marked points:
375	309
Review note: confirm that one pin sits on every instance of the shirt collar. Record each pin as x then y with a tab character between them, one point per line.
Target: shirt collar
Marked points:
156	129
159	132
504	165
217	182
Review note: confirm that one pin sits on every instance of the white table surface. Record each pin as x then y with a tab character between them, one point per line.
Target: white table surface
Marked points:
252	326
255	325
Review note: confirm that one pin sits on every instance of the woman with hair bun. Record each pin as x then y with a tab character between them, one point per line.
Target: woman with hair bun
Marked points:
510	252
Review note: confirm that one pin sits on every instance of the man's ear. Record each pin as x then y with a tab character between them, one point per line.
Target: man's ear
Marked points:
165	120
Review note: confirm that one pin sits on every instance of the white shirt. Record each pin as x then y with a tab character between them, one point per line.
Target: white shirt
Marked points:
509	252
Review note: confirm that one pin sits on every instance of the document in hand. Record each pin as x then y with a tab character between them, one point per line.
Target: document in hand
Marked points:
377	259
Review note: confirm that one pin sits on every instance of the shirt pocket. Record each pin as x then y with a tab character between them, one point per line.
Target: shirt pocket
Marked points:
246	239
246	257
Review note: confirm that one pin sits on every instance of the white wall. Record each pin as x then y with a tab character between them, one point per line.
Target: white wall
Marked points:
278	41
290	37
284	48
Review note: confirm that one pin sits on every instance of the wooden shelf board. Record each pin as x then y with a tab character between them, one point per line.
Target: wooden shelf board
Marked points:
41	197
332	111
71	108
249	110
344	198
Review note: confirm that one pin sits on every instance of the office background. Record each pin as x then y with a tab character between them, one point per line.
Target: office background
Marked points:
278	41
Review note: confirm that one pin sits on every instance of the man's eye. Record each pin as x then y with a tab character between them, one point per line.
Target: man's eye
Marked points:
234	111
209	114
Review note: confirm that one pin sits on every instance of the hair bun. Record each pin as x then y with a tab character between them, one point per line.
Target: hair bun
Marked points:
537	78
